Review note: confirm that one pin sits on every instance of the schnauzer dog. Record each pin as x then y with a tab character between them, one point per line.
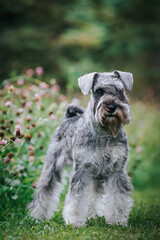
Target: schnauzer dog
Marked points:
95	143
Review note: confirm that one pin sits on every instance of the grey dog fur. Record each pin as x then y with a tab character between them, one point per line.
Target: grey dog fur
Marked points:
94	143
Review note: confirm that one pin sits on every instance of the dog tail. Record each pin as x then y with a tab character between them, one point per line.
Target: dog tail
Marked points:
73	110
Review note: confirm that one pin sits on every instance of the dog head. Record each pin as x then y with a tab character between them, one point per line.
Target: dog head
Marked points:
111	109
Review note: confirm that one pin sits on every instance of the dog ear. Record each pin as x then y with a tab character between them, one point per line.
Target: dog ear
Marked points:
85	82
126	78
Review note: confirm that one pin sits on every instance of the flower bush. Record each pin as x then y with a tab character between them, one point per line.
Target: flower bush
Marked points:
29	113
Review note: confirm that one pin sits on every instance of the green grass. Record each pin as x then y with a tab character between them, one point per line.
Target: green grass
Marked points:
143	224
18	174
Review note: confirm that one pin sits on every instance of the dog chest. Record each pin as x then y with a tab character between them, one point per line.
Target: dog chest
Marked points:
101	163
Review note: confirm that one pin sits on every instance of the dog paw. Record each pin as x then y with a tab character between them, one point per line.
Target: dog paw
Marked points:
75	221
116	222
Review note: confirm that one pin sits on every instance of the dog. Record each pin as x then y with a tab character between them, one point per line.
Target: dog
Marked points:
93	141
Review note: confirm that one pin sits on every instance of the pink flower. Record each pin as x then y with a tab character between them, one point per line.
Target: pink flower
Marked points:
19	121
17	140
39	103
20	82
30	72
18	127
62	97
56	88
3	142
28	104
28	118
18	91
31	158
11	89
34	185
37	97
6	160
75	101
20	110
52	117
30	147
17	133
8	104
39	70
139	149
43	85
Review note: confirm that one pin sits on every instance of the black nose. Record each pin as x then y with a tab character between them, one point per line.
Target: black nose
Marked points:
110	108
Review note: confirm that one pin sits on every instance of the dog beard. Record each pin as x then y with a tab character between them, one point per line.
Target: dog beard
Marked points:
111	123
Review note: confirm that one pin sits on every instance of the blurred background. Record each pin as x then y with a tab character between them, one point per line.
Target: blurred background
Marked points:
45	45
71	38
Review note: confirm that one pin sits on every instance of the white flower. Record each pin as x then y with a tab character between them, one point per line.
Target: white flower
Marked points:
14	197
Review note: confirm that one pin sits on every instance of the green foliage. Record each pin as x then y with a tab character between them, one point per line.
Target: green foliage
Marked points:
144	138
35	109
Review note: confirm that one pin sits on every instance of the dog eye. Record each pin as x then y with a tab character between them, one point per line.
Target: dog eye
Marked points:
99	91
122	92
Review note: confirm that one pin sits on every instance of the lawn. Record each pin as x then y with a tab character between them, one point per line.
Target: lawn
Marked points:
143	223
30	111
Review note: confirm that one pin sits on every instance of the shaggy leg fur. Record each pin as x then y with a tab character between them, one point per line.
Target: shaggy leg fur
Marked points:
117	201
96	206
45	202
50	185
77	200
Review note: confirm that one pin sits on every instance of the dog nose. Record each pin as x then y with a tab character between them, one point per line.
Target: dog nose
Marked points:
110	108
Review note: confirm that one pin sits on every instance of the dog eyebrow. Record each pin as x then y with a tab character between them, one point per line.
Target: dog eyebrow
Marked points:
108	88
117	89
111	88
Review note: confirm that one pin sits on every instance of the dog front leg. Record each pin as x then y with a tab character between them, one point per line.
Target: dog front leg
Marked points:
117	200
77	200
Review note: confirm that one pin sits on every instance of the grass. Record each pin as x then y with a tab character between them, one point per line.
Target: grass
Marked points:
143	224
26	128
